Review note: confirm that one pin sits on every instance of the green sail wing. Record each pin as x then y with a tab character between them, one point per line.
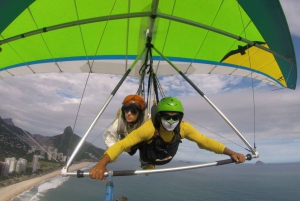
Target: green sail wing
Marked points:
200	37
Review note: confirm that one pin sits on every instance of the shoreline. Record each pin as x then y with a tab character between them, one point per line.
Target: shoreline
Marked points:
11	191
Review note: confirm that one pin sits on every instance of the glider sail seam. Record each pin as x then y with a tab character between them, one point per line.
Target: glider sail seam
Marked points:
134	15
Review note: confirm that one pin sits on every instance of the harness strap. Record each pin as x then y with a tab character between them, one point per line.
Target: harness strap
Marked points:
156	133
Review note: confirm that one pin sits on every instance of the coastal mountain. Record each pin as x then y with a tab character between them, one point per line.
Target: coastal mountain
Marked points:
67	142
16	142
9	121
11	145
259	163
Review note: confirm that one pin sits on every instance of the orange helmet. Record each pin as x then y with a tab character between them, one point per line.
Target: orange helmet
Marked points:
135	99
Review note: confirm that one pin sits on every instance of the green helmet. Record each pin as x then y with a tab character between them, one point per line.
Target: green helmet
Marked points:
170	104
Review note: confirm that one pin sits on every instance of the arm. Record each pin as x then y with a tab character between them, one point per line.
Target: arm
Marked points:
145	132
237	157
209	144
97	172
203	142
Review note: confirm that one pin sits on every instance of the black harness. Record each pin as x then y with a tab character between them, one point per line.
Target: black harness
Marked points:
159	152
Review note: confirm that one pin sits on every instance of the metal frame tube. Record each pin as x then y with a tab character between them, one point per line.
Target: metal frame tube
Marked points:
149	35
153	171
152	20
219	31
75	23
141	14
215	108
65	169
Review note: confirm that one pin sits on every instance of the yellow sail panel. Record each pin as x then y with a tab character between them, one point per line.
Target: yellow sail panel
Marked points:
257	60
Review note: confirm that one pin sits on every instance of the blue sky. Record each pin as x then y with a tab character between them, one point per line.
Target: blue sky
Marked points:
50	103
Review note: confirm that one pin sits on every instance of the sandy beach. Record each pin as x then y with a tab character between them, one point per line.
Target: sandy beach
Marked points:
8	192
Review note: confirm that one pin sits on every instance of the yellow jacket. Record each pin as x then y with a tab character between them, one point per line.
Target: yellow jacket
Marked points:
146	132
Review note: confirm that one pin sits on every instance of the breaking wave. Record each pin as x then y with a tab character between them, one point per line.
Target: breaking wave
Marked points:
37	192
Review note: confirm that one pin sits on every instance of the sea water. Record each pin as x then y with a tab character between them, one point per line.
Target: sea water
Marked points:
274	182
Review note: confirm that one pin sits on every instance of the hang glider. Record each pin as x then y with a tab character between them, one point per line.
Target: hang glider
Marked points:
110	37
199	37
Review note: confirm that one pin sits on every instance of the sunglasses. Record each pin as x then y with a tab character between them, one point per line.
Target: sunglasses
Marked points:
169	117
132	111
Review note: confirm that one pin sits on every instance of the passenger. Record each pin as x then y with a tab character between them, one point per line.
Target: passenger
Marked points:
158	139
131	116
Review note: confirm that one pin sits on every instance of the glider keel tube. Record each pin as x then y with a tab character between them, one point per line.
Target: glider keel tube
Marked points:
80	173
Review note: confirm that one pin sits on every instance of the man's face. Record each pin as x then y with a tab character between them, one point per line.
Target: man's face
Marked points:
170	117
170	120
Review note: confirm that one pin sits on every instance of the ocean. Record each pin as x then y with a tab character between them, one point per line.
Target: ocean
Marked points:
273	182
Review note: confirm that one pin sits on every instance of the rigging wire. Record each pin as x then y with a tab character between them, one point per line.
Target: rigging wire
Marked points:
252	80
254	108
141	88
90	144
49	154
150	72
167	33
160	87
127	36
206	35
273	113
43	41
157	85
143	71
90	68
217	134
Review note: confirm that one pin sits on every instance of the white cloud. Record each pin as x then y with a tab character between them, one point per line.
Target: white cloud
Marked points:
291	10
37	107
47	103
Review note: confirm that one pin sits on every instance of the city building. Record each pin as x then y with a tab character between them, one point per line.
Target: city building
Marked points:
35	165
2	168
21	165
12	164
